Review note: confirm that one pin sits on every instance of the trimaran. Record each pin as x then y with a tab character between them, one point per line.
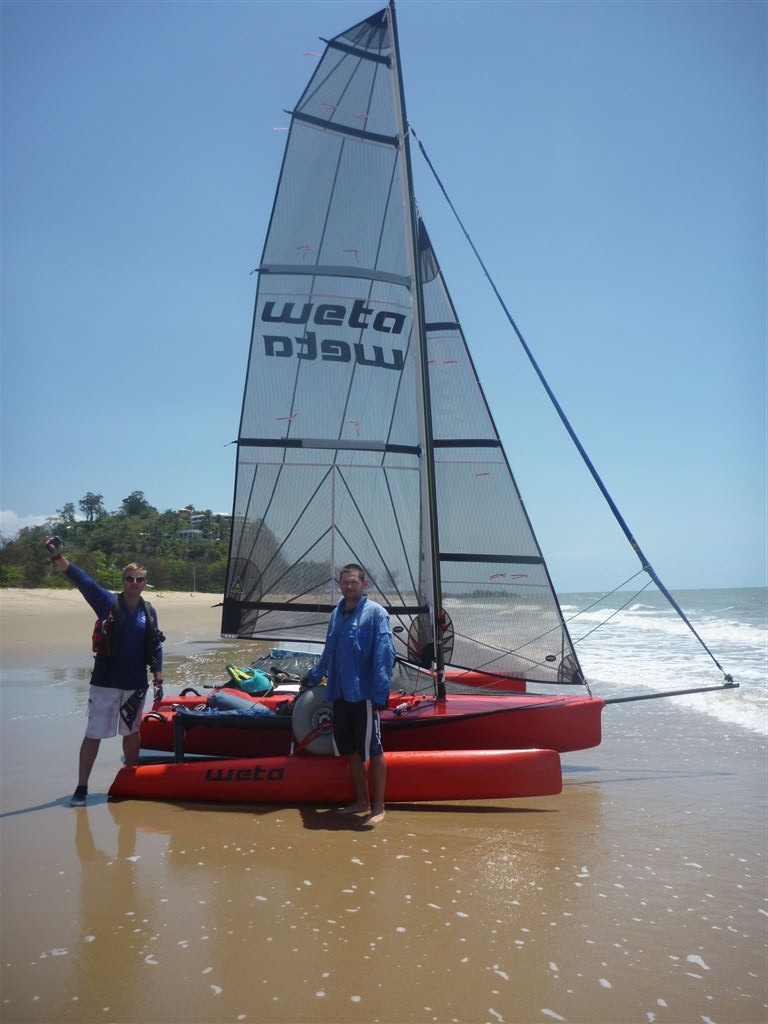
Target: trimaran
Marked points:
365	437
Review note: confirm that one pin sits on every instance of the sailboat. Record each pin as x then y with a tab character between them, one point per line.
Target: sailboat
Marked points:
365	437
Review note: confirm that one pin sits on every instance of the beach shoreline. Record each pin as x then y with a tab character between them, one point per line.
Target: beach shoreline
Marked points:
637	895
59	622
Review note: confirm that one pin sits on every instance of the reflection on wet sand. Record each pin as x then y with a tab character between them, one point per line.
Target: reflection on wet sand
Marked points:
322	919
115	914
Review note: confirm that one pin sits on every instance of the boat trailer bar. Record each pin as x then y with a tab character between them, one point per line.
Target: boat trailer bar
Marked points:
730	685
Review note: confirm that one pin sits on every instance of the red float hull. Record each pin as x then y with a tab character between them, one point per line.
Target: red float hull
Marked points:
411	776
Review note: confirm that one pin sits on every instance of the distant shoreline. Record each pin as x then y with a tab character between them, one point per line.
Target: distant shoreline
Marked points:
45	624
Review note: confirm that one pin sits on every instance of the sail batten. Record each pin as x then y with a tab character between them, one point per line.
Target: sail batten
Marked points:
340	129
506	559
329	443
336	44
369	274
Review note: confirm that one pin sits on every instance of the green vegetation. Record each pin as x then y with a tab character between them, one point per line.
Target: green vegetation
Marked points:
181	550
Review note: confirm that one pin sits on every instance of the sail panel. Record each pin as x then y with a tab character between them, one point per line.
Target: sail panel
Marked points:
352	85
335	199
328	356
479	497
503	620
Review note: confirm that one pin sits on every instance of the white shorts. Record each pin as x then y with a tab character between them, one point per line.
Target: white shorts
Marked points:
112	712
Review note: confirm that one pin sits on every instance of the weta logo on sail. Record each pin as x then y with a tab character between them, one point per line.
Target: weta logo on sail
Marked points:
335	315
334	350
254	774
331	351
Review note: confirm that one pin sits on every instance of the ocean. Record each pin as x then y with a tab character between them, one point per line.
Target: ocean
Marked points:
644	646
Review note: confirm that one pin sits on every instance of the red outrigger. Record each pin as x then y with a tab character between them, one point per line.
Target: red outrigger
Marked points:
411	776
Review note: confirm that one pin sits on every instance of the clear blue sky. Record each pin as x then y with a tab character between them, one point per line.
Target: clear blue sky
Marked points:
609	160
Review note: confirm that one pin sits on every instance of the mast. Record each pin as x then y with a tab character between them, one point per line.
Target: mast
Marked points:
430	525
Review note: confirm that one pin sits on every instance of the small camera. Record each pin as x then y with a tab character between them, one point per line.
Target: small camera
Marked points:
54	545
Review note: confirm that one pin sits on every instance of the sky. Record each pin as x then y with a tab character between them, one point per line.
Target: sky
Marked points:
608	160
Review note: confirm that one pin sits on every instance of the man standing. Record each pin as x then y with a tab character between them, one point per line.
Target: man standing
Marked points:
357	660
130	642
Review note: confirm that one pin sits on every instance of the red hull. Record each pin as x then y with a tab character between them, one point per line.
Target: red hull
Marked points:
460	722
411	776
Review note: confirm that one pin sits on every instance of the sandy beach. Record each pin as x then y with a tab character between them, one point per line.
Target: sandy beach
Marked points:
54	624
637	895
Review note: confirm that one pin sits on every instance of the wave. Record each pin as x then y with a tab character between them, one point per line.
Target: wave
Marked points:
646	646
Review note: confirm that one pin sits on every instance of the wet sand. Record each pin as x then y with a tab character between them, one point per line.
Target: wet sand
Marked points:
638	895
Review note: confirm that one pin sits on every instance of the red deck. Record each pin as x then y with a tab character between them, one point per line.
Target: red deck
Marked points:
460	722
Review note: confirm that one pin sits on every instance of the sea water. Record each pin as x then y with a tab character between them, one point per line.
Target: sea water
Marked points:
631	644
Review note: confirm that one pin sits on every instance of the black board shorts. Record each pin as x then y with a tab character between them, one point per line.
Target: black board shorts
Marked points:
357	727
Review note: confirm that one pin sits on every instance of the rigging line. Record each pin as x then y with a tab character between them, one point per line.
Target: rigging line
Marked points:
583	611
558	627
503	652
610	593
564	419
614	612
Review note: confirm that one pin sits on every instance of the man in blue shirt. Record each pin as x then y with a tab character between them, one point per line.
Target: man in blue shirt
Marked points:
119	679
357	661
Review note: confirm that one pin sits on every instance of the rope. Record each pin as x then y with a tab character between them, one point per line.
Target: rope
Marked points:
614	612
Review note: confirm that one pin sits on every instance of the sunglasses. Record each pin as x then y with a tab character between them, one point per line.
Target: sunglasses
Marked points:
134	579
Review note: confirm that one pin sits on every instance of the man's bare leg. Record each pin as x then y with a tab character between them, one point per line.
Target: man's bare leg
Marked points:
132	748
378	786
361	803
89	748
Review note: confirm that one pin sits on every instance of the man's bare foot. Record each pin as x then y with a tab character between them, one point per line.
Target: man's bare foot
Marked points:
354	809
377	816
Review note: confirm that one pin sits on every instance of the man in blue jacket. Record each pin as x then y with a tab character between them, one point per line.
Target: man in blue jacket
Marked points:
119	679
357	660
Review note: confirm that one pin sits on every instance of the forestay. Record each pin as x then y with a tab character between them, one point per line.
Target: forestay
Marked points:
332	463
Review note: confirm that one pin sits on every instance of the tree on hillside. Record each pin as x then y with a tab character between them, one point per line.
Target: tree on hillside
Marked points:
135	504
106	541
92	506
66	515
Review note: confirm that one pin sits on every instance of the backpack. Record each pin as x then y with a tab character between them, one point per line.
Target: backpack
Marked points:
106	632
251	680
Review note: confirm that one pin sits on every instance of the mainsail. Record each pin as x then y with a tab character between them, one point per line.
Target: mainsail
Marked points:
365	435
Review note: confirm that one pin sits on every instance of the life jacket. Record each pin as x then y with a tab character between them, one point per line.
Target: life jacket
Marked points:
107	633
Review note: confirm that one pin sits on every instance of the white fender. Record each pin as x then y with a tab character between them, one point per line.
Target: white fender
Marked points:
313	711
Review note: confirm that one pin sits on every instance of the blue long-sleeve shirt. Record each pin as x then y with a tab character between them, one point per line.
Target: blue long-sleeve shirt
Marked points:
358	655
126	668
